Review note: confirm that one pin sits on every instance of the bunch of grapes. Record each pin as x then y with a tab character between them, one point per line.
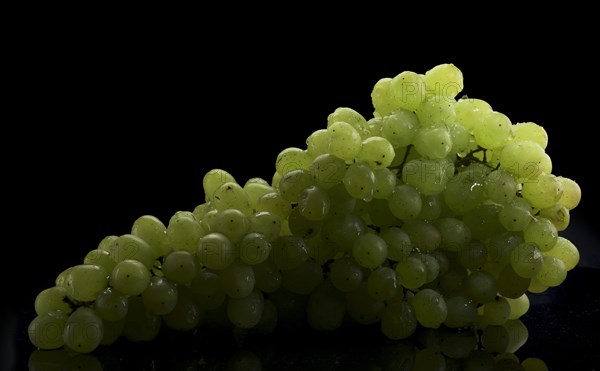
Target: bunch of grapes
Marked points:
435	212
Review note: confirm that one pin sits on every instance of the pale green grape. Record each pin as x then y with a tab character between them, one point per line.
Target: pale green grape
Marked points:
186	315
160	297
481	286
213	180
83	330
501	245
317	249
382	284
289	252
496	312
344	141
255	190
341	202
369	250
430	308
453	281
254	248
411	273
408	90
433	142
52	299
526	259
522	159
359	181
423	236
108	243
374	127
385	181
379	214
313	203
470	112
558	215
140	323
518	306
436	110
85	282
500	186
266	224
494	131
398	243
483	221
351	117
536	286
245	312
518	334
464	193
541	232
473	255
46	330
405	202
431	207
455	234
571	193
362	307
461	312
400	127
130	247
565	251
237	280
534	364
383	98
326	308
111	305
428	176
275	204
530	131
292	159
179	267
304	278
544	192
432	267
510	284
553	272
206	286
230	195
293	183
318	143
150	229
232	223
268	277
377	152
341	231
61	279
515	216
101	258
445	80
130	277
345	274
398	321
215	251
460	137
328	170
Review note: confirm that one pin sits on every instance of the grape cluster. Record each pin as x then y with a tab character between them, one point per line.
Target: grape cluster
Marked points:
436	212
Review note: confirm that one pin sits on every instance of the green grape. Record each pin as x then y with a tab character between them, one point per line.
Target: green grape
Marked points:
237	280
541	232
186	315
140	323
275	204
206	286
362	307
483	221
289	252
268	319
411	273
293	183
479	360
458	345
494	131
398	243
565	251
150	229
408	91
326	308
400	127
266	224
328	170
200	211
254	248
268	277
518	334
52	299
515	216
313	203
318	143
518	306
256	190
351	117
429	177
160	297
433	142
377	152
369	250
522	159
526	259
232	223
481	287
510	284
130	247
230	195
45	331
461	312
385	181
571	195
398	321
100	258
473	256
553	272
374	127
430	308
304	278
534	364
453	281
460	137
443	260
445	80
558	215
436	111
431	207
497	311
536	286
359	181
424	236
213	180
215	251
382	284
455	234
112	331
61	279
292	159
544	192
383	98
495	339
83	330
530	131
345	274
464	193
432	267
405	202
344	141
500	186
85	282
111	305
130	277
318	250
501	245
341	231
341	203
107	244
470	112
179	267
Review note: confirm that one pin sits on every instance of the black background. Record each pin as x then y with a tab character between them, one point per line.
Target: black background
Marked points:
111	121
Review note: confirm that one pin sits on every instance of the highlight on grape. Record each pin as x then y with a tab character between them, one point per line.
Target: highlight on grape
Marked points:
435	213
